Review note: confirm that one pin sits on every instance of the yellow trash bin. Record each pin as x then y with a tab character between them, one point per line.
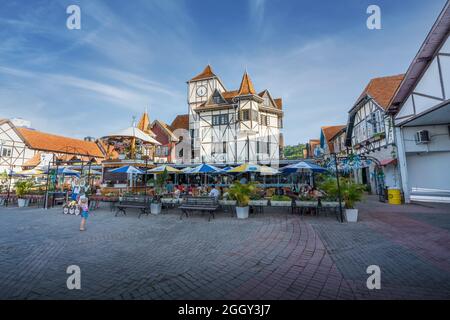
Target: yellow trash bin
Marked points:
394	196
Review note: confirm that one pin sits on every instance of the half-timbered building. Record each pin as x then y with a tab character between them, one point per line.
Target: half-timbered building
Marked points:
422	120
232	126
370	133
22	147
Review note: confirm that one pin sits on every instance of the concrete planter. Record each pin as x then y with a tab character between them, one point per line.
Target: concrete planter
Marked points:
22	202
306	204
227	202
280	203
259	203
155	208
242	212
351	215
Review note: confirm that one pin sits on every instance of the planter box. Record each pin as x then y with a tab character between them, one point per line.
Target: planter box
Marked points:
22	202
259	203
351	215
227	202
330	204
242	212
155	208
280	203
305	204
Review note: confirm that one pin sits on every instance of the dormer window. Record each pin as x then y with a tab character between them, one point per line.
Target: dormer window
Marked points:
266	101
217	99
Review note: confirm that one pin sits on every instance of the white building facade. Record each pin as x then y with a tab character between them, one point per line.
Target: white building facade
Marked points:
370	133
233	126
422	106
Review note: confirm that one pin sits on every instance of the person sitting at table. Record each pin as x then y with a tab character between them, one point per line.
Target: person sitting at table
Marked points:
214	192
176	193
169	187
315	193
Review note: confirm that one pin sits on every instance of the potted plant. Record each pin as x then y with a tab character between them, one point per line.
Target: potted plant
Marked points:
351	193
156	205
306	201
280	201
241	193
22	188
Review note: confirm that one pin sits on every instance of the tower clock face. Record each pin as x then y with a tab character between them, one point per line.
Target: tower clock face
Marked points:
201	91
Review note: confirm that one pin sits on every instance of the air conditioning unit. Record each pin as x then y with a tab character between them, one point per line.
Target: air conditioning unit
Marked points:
422	136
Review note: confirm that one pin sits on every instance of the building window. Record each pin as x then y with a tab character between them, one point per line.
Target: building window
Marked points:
221	119
266	101
224	147
217	99
6	152
245	115
268	145
264	120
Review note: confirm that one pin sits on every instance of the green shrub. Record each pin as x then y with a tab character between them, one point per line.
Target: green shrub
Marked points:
280	198
241	193
23	187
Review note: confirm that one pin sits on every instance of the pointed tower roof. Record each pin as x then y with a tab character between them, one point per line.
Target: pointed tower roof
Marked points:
144	124
205	74
246	85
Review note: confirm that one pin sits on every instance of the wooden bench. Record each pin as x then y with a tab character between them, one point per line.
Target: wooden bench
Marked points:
202	204
134	202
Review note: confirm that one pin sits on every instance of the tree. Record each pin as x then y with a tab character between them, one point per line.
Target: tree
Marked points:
294	152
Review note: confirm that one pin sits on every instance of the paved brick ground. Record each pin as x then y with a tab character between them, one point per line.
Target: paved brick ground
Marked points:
275	255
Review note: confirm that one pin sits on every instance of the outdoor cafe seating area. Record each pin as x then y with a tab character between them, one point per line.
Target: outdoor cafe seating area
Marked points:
136	188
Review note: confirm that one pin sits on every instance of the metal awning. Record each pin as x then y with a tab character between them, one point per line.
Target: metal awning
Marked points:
438	115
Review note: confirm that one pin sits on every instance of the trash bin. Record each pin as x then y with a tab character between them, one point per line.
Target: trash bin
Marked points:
394	196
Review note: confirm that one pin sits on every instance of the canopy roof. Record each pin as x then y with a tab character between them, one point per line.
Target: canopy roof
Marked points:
133	132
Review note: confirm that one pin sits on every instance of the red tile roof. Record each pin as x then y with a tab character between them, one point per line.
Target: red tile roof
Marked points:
181	121
329	132
38	140
279	103
144	124
205	74
383	89
246	85
34	161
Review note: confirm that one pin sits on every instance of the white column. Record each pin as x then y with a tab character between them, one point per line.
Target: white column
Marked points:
402	163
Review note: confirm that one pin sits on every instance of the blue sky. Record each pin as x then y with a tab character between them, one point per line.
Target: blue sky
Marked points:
317	55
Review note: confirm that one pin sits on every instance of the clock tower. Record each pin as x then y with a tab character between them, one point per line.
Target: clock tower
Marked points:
200	88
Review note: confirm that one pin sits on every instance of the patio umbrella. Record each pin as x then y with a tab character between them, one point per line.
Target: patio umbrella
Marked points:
303	166
32	172
161	169
129	170
64	171
249	167
205	169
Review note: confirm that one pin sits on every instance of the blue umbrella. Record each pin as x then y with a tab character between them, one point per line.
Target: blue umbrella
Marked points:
204	168
303	166
127	169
